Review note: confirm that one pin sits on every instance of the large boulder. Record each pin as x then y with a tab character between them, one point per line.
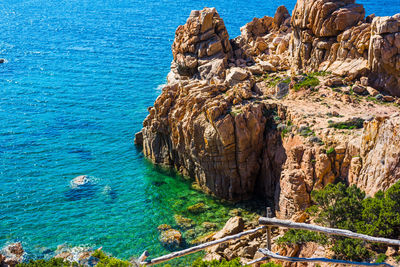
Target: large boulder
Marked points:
233	226
201	46
171	238
316	25
384	54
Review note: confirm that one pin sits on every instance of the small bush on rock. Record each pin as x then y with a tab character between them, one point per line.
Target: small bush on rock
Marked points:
107	261
49	263
302	236
309	81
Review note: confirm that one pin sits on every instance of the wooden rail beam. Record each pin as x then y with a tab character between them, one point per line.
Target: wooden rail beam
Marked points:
200	247
326	230
270	255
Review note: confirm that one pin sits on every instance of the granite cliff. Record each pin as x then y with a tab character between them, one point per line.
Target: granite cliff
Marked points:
290	105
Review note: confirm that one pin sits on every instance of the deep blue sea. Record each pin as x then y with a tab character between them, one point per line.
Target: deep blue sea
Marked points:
79	78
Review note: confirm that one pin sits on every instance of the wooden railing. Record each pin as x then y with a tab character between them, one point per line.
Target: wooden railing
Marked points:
268	223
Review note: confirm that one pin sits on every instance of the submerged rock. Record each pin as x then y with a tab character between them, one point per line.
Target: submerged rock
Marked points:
171	238
164	227
184	222
209	225
197	208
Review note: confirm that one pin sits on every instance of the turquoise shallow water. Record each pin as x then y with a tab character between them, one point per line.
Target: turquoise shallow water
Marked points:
79	78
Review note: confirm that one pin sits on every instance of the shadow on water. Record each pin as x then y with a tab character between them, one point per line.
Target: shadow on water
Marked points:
158	183
81	192
82	153
109	194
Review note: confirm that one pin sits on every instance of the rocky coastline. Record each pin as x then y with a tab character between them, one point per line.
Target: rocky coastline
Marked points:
257	113
294	103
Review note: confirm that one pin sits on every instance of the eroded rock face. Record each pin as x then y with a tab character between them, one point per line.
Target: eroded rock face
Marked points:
316	25
379	155
266	40
194	128
201	46
384	54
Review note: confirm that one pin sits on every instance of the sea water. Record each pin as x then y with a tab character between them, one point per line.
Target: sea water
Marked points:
79	77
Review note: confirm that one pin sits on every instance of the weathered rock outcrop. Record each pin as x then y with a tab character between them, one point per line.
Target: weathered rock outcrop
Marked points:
201	47
238	134
11	255
316	25
384	54
378	164
195	128
335	36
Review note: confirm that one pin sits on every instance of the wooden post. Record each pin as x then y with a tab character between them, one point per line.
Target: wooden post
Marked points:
269	215
144	256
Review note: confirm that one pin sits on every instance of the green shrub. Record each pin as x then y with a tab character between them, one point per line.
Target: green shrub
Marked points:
338	206
381	214
107	261
306	132
354	123
310	81
302	236
351	249
273	81
397	258
381	258
49	263
330	151
344	207
216	263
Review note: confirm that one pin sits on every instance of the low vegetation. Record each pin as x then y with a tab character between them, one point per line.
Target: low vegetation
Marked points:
307	82
306	131
107	261
348	208
301	237
330	150
272	81
103	260
49	263
354	123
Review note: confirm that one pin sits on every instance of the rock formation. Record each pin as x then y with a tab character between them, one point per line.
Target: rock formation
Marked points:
377	166
384	54
201	47
12	255
239	118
